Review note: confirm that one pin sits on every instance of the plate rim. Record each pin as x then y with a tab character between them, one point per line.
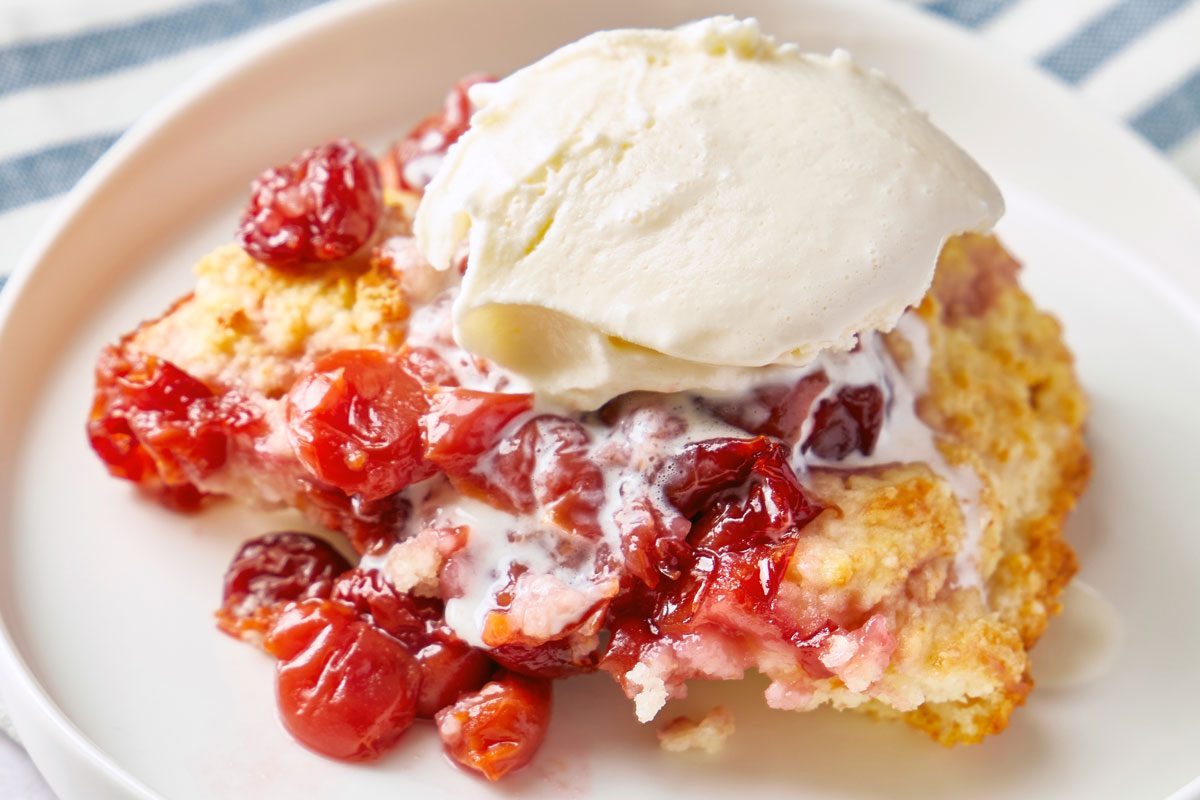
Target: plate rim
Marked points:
15	674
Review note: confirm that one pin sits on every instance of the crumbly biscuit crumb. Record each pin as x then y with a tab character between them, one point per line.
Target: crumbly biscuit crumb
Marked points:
707	735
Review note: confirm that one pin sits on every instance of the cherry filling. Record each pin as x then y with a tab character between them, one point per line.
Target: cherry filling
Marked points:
353	422
412	162
500	727
370	525
543	464
847	422
270	571
463	424
777	410
706	534
706	530
322	206
448	665
159	427
345	688
747	510
358	660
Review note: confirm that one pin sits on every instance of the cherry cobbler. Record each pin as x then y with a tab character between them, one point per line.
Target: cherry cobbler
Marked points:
877	529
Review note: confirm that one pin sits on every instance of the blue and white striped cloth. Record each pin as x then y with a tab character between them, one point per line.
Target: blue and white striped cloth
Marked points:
74	74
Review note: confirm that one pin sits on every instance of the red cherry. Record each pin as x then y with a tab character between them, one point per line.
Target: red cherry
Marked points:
463	424
154	424
406	618
322	206
743	544
653	541
566	481
848	422
499	728
507	483
424	364
748	510
271	570
543	461
449	669
693	478
370	525
555	659
768	505
353	421
630	636
412	162
345	688
777	410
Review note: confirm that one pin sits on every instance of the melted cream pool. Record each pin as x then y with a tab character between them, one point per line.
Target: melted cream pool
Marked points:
1080	644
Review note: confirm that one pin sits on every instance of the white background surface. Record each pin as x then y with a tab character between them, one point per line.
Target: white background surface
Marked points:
19	780
1054	273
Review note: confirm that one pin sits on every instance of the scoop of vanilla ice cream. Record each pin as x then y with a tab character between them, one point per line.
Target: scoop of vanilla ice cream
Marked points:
675	209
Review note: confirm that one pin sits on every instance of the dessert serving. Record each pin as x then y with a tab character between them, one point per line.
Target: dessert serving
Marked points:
673	355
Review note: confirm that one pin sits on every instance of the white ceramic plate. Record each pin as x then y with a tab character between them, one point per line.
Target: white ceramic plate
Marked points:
113	671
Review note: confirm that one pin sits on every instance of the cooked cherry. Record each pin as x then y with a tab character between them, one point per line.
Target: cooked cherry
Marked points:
370	525
845	423
463	424
629	636
150	400
748	511
406	618
154	424
411	163
566	481
354	422
777	410
507	483
556	659
731	589
744	542
449	669
653	541
424	364
345	688
271	570
571	650
770	503
706	468
500	727
545	462
322	206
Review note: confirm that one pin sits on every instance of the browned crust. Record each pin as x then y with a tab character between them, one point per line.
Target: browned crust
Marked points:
1002	385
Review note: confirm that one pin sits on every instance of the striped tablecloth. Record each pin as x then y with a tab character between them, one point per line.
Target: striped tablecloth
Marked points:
75	73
